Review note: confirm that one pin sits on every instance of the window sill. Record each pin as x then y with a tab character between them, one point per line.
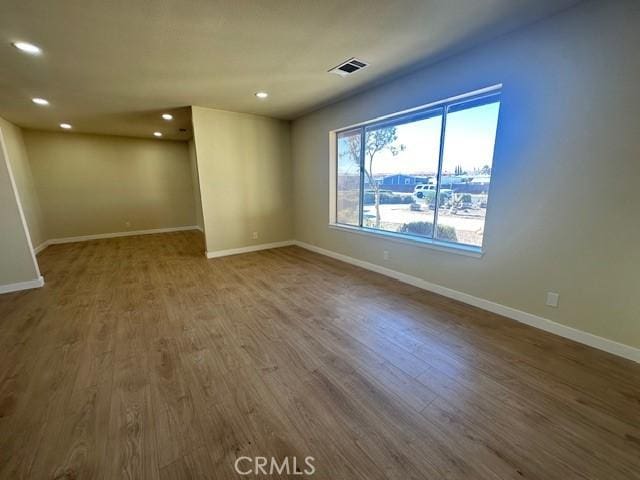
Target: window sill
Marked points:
466	250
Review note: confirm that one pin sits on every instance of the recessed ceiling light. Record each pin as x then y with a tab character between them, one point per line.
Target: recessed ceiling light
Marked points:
262	94
157	134
40	101
167	116
66	126
27	48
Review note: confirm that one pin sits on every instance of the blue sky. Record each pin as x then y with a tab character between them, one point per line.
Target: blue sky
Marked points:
469	142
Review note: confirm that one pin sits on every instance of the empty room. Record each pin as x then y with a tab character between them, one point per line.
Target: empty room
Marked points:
369	239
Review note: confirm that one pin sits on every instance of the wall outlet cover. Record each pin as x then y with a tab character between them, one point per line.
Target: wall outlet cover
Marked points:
552	299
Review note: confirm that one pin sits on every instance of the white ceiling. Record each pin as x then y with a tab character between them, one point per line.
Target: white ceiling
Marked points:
112	66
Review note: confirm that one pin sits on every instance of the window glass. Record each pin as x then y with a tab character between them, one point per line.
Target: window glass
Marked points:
466	169
396	175
397	158
348	178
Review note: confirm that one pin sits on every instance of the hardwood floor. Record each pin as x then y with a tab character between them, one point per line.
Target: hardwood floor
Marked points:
142	359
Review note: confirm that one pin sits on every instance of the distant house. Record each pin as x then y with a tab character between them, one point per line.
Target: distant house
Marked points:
402	183
481	179
450	180
477	184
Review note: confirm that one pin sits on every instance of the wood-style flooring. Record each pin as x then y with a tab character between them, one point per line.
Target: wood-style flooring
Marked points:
140	359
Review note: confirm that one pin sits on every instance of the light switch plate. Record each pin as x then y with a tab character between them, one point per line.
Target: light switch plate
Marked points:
552	299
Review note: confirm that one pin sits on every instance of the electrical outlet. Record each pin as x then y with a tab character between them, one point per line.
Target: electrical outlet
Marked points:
254	235
552	299
385	255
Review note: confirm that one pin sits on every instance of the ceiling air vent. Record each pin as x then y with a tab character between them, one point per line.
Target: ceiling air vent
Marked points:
350	66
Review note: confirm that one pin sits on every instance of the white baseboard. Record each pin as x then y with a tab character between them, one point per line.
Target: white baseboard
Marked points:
41	247
610	346
252	248
85	238
16	287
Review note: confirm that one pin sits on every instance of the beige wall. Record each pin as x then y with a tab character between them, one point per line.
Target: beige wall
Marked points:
564	203
17	262
24	180
93	184
193	159
245	178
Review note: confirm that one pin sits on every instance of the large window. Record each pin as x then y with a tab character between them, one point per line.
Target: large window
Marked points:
423	175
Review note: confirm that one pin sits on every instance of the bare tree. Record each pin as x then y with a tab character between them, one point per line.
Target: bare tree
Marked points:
375	142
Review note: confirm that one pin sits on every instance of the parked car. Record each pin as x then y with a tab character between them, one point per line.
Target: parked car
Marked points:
420	189
427	194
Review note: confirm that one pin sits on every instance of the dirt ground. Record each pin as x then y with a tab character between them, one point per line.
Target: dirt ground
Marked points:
469	225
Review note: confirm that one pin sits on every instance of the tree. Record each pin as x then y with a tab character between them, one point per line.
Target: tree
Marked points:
376	141
486	170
